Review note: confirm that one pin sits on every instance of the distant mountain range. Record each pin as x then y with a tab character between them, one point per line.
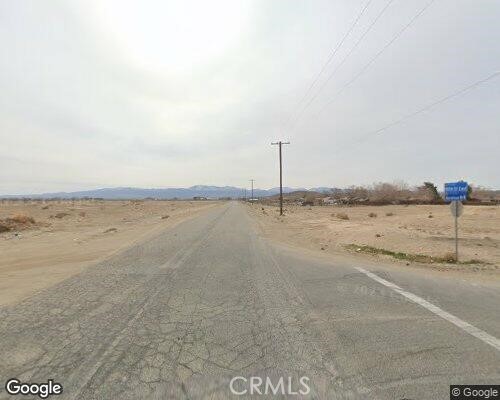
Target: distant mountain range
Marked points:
212	192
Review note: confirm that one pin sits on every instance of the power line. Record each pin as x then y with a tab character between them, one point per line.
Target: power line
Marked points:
330	58
429	106
437	102
376	56
347	56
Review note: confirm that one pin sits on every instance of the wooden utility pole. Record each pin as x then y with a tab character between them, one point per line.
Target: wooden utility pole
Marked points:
251	199
281	174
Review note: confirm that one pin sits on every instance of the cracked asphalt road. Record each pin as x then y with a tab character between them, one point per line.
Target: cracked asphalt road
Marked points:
180	315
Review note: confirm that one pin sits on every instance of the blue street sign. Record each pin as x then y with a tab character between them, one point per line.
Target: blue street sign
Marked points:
455	191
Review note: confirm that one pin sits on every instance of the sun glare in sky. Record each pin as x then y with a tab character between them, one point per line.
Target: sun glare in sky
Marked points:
173	36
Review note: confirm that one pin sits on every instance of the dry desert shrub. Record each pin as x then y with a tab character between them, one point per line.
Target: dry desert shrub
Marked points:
384	191
343	216
61	215
389	214
111	230
351	194
372	215
4	227
21	219
449	258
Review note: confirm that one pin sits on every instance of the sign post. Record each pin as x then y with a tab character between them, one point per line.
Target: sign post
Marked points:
456	192
456	210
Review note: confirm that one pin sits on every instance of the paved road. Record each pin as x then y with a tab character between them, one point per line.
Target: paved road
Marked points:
180	315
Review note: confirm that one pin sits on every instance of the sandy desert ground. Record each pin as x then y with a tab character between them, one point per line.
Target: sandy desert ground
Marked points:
68	236
420	230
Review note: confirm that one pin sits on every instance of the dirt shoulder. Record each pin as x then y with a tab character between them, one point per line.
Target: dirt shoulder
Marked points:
419	236
51	241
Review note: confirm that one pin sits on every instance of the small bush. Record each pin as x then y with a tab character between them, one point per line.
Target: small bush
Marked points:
372	215
61	215
22	219
449	258
4	228
342	216
430	216
389	214
165	216
17	222
111	230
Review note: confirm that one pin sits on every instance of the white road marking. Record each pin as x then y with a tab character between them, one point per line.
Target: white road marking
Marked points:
465	326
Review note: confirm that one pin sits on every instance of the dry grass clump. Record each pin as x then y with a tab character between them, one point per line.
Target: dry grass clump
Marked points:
21	219
372	215
17	222
343	216
111	230
61	215
449	258
4	227
389	214
165	217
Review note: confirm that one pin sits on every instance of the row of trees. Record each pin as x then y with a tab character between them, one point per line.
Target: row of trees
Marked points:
401	191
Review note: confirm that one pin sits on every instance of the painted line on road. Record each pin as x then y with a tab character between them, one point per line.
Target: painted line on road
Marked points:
465	326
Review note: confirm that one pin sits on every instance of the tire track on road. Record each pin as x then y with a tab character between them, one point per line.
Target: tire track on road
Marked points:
176	262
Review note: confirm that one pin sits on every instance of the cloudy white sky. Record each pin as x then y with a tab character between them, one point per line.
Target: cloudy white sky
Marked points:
175	93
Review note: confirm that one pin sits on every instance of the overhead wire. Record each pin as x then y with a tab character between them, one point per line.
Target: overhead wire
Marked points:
329	60
428	107
376	56
360	39
435	103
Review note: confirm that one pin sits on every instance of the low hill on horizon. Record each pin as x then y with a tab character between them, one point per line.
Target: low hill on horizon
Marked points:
120	193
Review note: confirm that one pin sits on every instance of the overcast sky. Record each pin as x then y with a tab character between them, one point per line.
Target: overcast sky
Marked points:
177	93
